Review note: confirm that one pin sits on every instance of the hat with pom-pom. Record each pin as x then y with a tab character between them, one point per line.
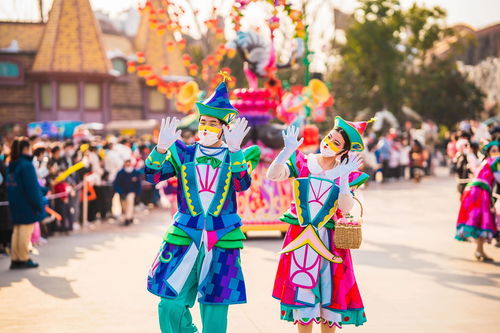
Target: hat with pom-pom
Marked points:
218	105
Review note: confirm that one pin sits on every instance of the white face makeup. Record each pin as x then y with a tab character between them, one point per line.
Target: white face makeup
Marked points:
332	144
209	130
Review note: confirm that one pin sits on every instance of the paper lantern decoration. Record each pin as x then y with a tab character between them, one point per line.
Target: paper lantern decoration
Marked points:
310	133
161	87
153	23
131	66
165	70
274	23
144	70
186	60
231	53
162	15
161	28
182	44
219	33
140	57
193	69
151	80
170	46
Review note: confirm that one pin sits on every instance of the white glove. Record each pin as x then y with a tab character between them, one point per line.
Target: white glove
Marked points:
290	139
168	133
234	136
345	167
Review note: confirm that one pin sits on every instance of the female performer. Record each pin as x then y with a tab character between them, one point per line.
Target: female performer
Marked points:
315	280
476	218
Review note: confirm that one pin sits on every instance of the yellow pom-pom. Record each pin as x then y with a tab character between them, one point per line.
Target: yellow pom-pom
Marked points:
371	120
225	76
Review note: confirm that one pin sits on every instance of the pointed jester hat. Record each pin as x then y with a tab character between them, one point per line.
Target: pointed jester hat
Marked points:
354	130
218	105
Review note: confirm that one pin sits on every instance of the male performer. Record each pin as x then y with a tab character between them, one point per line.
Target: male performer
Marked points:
200	253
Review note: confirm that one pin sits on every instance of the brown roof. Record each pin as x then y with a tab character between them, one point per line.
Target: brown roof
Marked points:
72	41
153	45
27	35
115	43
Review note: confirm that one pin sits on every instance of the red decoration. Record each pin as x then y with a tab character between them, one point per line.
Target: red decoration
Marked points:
310	133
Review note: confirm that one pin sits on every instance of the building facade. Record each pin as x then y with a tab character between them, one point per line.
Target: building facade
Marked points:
72	68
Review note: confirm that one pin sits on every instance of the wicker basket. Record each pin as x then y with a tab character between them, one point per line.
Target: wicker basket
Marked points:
348	231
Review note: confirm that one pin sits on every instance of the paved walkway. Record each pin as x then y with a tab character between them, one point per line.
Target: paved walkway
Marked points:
413	276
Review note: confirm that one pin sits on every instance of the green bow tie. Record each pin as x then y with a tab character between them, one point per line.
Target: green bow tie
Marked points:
214	162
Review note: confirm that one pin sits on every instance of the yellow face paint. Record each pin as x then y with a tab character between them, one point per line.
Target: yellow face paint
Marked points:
330	144
207	128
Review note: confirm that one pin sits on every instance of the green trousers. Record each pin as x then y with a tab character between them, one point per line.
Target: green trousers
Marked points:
175	316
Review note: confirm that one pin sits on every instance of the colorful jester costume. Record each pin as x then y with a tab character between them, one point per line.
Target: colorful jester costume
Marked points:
200	254
315	280
476	218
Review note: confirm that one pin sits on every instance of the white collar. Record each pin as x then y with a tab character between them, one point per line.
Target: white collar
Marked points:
313	165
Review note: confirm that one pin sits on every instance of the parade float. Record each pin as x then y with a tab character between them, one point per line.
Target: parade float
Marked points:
264	102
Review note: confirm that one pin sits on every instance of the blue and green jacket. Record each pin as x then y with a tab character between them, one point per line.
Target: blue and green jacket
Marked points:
221	217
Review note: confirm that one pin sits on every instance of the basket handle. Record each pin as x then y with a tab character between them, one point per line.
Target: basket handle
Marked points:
360	205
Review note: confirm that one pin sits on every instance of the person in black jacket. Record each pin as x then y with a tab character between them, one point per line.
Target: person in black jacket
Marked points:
5	223
26	201
128	185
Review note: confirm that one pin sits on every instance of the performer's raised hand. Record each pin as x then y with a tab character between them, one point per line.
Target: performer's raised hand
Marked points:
235	135
290	138
345	167
168	134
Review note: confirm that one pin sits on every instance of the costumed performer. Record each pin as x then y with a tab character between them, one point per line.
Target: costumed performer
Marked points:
200	253
477	218
315	280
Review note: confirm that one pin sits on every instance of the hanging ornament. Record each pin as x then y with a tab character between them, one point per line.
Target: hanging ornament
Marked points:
170	46
153	23
161	87
186	60
182	44
193	69
140	57
144	70
131	66
231	53
161	28
219	33
274	23
151	80
165	70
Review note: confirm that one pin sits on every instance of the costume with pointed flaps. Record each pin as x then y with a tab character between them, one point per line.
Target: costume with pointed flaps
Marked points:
476	218
200	253
315	280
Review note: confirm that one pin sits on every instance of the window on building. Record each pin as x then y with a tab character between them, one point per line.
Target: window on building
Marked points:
68	96
9	69
92	96
119	65
157	101
46	95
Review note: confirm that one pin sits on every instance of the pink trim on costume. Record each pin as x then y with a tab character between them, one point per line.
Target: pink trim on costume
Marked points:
320	321
205	187
317	197
303	268
211	239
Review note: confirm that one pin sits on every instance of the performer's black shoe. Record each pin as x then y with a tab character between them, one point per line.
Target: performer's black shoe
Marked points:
24	264
14	264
